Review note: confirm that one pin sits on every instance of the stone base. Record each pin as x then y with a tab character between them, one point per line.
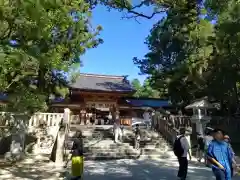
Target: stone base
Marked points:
14	157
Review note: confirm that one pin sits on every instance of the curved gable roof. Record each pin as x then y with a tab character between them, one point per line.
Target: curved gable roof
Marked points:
106	83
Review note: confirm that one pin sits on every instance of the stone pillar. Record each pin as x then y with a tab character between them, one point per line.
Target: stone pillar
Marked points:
60	148
18	139
66	116
17	146
188	136
199	127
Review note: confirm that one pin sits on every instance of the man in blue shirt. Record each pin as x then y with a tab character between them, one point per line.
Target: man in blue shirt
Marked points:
220	156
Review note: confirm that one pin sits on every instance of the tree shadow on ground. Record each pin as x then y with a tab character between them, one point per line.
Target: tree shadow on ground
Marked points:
107	170
142	170
29	169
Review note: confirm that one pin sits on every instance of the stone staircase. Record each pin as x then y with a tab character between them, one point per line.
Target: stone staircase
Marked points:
155	146
99	144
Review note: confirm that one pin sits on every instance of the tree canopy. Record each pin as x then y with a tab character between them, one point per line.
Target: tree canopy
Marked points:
194	52
40	42
144	90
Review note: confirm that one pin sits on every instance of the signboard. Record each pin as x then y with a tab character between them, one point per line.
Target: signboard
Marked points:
101	105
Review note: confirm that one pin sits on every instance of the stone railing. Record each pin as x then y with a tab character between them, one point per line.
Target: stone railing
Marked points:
169	126
49	119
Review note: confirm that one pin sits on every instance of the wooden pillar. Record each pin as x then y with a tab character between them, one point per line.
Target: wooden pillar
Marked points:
82	115
113	113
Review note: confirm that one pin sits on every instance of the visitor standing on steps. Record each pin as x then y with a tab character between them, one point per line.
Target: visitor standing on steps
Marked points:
220	156
116	129
181	149
200	147
234	163
137	137
77	157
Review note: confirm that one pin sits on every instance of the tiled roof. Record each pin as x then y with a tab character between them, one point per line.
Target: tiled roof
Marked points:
153	103
3	97
200	103
102	83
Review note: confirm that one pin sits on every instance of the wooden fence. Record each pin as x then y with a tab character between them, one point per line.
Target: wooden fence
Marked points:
169	126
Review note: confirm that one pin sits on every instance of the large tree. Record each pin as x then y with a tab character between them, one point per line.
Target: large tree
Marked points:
39	42
174	45
190	56
145	90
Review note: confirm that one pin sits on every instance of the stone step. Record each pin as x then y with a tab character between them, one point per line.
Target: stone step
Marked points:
109	144
127	149
154	146
105	154
112	156
89	148
109	132
91	133
98	144
153	151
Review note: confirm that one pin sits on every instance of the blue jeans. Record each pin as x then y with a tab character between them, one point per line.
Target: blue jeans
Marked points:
219	174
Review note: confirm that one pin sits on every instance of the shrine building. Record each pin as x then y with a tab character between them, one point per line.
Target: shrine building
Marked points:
97	98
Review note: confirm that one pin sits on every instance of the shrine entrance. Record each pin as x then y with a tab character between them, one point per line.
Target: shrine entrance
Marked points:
100	99
99	113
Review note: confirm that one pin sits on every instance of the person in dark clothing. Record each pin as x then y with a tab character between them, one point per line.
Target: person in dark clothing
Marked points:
92	120
137	137
77	157
182	159
200	147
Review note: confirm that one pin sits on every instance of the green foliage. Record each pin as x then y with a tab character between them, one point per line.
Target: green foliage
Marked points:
40	41
190	57
144	90
137	86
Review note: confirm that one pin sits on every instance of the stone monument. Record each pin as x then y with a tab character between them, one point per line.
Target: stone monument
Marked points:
18	133
200	116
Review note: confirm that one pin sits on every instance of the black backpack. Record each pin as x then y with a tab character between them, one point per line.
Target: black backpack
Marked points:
177	147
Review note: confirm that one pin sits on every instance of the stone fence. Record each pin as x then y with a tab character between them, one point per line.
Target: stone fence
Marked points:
49	119
19	132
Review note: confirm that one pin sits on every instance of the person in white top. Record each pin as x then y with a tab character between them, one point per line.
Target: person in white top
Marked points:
117	130
147	116
183	160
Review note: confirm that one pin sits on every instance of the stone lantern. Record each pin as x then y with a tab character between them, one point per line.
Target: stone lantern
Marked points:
200	114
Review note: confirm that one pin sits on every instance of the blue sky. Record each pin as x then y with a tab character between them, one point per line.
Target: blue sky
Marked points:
123	40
